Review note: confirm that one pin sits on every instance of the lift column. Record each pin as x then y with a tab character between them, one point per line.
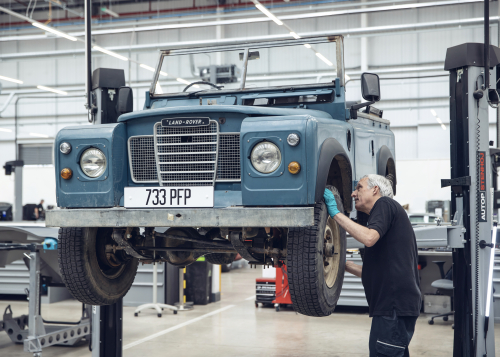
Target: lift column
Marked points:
472	194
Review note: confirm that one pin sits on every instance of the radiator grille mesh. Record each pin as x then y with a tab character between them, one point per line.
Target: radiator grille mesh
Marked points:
228	167
142	159
192	170
186	156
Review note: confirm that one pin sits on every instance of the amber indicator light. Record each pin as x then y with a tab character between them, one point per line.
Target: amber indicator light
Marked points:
66	173
294	167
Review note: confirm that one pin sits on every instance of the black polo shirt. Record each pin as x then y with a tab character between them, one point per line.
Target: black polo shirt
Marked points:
390	274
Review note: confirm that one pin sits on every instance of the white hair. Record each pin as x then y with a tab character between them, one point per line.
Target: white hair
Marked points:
384	185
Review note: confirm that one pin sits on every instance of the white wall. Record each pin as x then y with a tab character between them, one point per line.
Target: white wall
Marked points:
38	183
420	181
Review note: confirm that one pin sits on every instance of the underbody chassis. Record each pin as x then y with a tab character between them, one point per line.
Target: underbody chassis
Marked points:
255	233
100	249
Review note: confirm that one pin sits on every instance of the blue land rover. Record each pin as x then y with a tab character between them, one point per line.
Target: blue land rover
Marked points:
232	159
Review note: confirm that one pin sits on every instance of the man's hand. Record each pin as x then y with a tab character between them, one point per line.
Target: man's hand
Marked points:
353	268
330	202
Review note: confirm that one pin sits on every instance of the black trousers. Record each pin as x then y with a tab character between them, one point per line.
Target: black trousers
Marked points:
390	336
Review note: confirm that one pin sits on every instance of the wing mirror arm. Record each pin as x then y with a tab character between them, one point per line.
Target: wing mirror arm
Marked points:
354	108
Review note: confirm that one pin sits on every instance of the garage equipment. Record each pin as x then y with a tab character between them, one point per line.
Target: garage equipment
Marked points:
265	291
155	305
40	333
282	289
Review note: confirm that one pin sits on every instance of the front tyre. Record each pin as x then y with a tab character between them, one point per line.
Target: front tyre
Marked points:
316	259
92	273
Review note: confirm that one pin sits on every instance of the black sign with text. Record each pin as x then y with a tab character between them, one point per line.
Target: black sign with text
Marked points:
482	210
175	122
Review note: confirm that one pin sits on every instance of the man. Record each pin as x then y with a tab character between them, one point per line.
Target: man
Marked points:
389	272
39	212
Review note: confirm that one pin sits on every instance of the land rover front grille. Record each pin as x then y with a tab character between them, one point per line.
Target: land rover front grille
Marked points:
186	156
142	161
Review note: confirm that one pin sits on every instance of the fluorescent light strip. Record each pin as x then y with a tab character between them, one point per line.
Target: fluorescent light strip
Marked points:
39	135
57	91
108	52
433	112
5	130
443	126
294	35
147	67
109	12
183	81
324	59
11	80
287	17
246	20
54	31
268	13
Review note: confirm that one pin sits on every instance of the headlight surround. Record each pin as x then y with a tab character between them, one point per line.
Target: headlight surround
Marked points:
265	157
93	162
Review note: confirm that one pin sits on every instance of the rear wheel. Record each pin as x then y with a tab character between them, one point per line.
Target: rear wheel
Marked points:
316	262
92	273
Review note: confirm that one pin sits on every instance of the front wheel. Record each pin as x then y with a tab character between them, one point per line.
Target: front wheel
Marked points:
316	259
93	273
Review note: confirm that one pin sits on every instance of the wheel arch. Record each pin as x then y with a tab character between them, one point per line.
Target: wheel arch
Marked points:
387	165
334	168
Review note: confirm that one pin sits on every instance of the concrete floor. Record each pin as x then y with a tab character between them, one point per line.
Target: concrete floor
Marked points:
234	327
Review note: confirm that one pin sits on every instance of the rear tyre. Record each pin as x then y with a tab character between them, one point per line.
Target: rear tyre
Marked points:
316	262
91	275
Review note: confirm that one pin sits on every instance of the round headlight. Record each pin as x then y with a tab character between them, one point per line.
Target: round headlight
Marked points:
93	162
65	148
265	157
293	139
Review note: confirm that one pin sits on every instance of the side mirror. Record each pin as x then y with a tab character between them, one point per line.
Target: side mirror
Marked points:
370	87
125	100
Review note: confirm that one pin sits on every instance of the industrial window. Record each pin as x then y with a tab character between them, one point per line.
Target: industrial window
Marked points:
36	154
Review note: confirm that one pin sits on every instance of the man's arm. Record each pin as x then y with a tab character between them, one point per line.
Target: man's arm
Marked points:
353	268
362	234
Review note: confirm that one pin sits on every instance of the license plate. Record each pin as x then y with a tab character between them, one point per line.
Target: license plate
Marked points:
174	122
166	197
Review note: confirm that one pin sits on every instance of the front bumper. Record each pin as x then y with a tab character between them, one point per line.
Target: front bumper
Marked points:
194	217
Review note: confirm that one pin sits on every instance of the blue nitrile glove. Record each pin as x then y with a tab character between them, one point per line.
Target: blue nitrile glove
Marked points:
330	202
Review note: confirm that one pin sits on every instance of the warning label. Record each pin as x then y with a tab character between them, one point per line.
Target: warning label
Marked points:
481	194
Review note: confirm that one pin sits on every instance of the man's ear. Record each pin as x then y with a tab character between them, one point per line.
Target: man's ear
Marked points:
376	190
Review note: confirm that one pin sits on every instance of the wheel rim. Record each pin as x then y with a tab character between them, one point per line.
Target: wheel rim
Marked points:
331	250
110	264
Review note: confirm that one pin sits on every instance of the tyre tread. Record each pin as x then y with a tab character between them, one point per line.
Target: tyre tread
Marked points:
302	267
71	255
